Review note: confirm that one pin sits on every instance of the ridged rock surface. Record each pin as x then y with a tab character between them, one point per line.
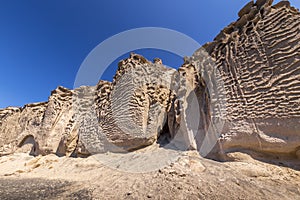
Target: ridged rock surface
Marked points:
237	93
130	112
41	124
258	58
127	114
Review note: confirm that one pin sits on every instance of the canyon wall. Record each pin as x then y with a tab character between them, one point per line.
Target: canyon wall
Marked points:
237	93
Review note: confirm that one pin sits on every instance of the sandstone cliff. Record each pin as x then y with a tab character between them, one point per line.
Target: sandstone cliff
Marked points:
258	57
237	93
153	131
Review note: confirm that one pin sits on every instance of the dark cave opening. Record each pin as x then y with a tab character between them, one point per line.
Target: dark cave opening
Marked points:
164	136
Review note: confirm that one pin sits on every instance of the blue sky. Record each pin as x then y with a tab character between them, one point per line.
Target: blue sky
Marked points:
43	43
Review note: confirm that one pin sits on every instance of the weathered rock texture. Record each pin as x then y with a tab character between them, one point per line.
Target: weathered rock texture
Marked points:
247	79
259	60
130	112
44	123
124	115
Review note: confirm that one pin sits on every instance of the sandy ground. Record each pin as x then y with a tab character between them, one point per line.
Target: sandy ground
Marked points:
189	177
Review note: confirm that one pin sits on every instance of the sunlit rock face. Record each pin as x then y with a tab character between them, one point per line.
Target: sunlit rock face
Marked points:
44	122
129	113
237	93
258	57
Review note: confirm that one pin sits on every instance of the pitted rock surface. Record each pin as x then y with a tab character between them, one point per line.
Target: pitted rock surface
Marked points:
130	112
257	60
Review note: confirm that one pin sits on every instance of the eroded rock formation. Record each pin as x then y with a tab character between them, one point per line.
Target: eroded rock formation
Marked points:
259	60
237	93
130	112
44	122
124	115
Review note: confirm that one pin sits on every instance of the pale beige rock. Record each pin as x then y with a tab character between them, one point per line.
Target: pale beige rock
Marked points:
260	69
42	123
131	112
257	58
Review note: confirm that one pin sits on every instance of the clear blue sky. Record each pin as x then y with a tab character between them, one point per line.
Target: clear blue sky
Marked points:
43	43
